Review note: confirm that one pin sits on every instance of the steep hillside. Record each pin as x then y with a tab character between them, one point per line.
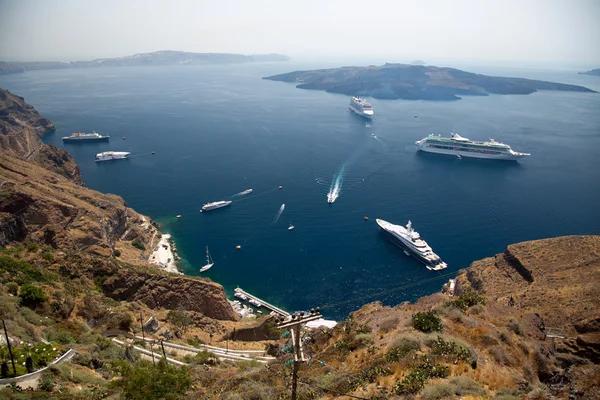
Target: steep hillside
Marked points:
20	129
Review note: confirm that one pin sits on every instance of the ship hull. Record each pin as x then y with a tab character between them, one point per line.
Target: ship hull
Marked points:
215	207
407	249
361	113
455	153
69	140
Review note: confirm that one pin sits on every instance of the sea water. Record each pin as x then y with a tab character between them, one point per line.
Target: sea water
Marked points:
218	130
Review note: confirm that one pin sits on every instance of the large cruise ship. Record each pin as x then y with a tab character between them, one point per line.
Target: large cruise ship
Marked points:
361	107
85	137
463	147
413	244
112	155
215	205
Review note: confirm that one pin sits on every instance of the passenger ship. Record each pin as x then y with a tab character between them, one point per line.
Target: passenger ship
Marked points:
85	137
361	107
112	155
463	147
413	244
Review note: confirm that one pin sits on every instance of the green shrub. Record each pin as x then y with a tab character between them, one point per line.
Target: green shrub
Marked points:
438	392
47	382
427	322
466	386
21	271
60	336
414	381
466	300
32	295
401	349
12	288
138	244
451	350
48	256
117	253
204	357
32	247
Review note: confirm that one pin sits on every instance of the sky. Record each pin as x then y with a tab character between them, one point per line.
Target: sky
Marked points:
534	32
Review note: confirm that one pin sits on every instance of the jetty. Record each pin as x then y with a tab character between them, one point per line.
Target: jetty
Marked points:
264	303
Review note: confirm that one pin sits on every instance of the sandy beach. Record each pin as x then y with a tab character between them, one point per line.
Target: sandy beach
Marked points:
163	255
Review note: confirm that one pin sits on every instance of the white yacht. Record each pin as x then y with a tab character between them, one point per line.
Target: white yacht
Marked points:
112	155
85	137
459	146
209	261
413	244
361	107
214	205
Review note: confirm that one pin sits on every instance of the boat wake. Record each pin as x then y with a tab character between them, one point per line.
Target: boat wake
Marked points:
278	214
245	192
336	185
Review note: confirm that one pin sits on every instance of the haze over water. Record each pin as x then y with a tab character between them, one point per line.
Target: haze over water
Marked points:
218	130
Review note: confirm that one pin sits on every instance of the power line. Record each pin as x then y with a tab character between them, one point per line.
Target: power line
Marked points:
387	291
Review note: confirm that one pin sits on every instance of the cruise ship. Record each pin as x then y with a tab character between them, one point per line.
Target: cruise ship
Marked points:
361	107
413	244
85	137
215	205
112	155
459	146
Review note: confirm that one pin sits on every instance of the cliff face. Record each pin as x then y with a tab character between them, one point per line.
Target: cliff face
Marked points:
20	129
556	278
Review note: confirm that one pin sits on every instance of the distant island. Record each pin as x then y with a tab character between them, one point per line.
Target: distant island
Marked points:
595	72
415	82
418	62
165	57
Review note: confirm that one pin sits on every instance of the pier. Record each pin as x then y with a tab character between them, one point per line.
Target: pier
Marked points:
264	303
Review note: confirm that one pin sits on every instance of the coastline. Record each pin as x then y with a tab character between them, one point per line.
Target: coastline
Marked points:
164	255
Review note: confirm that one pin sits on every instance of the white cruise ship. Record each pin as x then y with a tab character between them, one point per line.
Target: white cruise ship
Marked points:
112	155
459	146
214	205
413	244
85	137
361	107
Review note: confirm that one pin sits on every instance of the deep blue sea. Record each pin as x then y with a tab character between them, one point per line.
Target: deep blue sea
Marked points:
218	130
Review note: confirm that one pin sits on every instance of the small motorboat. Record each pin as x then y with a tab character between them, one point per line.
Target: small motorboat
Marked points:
459	157
290	227
178	216
373	136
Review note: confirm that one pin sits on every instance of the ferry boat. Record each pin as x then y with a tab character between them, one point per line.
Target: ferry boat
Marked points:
459	146
214	205
361	107
412	243
85	137
112	155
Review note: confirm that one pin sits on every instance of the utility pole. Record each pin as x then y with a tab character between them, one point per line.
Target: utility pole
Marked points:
163	349
12	360
294	325
142	324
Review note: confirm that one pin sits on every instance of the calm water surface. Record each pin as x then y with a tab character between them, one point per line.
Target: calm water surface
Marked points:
218	130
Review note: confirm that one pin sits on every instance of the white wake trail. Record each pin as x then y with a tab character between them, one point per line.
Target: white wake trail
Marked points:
247	191
278	214
336	185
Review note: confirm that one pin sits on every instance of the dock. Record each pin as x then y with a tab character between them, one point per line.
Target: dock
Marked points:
264	303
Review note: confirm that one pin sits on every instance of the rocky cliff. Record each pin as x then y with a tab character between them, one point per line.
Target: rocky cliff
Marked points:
20	129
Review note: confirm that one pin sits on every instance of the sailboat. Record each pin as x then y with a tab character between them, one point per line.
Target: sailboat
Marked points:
209	261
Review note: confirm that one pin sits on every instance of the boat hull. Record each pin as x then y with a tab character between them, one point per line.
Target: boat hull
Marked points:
464	154
71	140
361	113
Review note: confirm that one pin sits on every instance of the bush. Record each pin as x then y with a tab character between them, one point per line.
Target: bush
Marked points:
32	295
466	386
401	349
32	247
48	256
515	327
60	336
20	271
138	245
466	300
451	350
117	253
414	381
47	382
438	392
427	322
12	288
145	381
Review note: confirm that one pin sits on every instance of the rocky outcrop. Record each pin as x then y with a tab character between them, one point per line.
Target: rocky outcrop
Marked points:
556	278
171	292
49	208
20	129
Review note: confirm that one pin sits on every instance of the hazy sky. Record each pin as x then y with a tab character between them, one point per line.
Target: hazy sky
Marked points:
533	31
